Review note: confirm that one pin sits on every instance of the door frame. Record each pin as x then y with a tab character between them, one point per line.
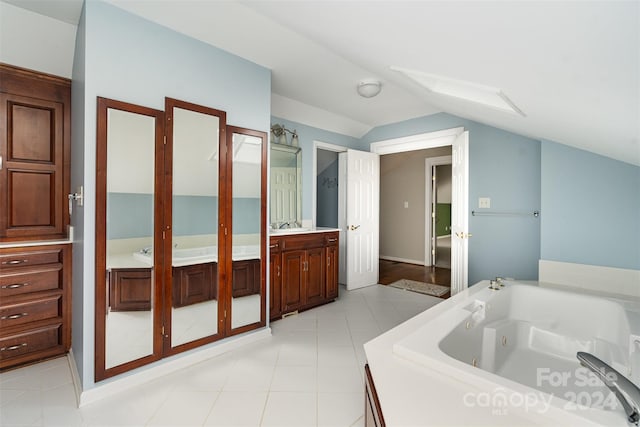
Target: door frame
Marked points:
422	141
319	145
429	163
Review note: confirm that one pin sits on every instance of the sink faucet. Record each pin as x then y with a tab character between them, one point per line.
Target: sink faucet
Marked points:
284	225
627	392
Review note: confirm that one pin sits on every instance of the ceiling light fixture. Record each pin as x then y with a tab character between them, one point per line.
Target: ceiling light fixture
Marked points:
467	91
369	88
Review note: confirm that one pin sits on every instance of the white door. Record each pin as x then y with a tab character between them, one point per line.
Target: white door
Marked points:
362	217
459	213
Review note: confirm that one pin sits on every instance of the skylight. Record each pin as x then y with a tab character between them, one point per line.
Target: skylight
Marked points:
467	91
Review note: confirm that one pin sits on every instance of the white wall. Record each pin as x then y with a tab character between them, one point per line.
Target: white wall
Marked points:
34	41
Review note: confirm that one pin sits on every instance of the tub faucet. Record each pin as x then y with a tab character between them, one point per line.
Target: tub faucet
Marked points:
627	392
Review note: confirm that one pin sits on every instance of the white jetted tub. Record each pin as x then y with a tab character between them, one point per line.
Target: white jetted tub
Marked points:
519	343
201	255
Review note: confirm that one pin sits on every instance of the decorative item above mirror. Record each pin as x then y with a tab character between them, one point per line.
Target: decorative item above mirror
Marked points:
286	186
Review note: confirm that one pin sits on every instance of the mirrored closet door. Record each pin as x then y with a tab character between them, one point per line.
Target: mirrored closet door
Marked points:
246	159
194	232
181	220
128	252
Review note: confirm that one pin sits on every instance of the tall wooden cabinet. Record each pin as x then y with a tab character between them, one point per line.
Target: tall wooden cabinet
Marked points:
304	271
35	132
35	260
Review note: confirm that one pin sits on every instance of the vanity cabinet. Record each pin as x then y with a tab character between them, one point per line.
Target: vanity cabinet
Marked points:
130	289
35	303
35	131
194	283
307	268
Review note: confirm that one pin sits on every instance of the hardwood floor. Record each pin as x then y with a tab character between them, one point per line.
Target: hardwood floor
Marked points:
390	271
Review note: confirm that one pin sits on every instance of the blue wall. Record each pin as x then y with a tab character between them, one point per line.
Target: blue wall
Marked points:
591	208
505	167
131	215
80	275
124	57
327	195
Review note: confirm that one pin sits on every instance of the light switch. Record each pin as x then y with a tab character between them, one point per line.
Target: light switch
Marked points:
484	203
406	205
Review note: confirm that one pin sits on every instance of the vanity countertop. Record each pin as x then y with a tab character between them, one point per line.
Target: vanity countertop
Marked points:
289	232
21	244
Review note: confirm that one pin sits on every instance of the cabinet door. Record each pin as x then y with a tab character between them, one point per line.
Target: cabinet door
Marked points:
31	179
332	272
292	280
130	289
315	276
275	285
245	278
194	283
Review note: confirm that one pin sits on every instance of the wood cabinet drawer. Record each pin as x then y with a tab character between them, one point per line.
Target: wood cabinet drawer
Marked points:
331	239
29	311
302	241
30	341
24	257
22	281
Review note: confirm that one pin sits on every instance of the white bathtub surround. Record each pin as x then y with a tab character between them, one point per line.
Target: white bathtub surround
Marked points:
522	340
591	277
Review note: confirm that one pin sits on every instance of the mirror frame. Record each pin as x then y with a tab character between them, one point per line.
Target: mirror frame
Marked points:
169	105
101	372
228	214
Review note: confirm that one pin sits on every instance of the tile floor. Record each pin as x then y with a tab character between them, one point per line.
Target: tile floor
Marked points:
308	373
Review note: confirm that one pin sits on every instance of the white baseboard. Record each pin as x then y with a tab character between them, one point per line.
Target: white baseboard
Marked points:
408	261
117	385
590	277
75	376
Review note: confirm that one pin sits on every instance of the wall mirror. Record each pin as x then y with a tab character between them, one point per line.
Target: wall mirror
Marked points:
286	186
247	156
128	215
194	135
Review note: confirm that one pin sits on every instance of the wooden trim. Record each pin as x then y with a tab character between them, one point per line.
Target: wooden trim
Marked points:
101	371
370	389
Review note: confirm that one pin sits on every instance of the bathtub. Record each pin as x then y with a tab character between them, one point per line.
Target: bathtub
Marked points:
518	346
201	255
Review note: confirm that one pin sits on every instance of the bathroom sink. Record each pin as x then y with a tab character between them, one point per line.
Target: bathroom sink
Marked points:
290	230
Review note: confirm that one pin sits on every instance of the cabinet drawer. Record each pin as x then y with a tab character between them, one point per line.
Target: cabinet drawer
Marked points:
30	341
22	258
29	311
302	241
331	239
22	281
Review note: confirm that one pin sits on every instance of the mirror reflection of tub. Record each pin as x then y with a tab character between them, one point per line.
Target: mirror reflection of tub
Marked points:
130	216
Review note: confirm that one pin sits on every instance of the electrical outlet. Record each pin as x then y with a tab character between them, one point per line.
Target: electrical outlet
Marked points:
484	203
406	205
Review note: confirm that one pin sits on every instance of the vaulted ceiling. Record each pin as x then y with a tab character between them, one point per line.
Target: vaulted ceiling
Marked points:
572	67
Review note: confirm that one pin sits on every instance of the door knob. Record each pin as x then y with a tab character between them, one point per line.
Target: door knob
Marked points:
354	227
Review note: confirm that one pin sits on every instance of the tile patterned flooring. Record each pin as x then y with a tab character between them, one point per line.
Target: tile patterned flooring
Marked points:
308	373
